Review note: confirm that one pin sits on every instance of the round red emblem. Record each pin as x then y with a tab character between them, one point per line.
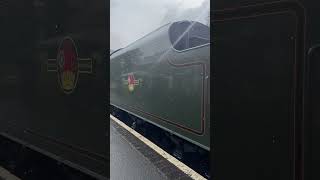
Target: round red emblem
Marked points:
68	65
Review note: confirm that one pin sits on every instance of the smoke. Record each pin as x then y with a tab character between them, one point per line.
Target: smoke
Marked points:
131	20
200	14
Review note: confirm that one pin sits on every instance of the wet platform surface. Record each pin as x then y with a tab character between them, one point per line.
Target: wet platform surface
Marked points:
130	158
6	175
126	162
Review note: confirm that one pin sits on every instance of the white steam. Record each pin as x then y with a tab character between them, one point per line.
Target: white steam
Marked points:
132	19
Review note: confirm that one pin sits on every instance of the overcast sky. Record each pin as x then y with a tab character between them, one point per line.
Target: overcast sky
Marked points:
132	19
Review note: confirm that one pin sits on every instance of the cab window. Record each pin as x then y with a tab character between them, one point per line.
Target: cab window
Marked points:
188	34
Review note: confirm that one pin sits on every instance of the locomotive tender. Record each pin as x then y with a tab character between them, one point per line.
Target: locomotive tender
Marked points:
163	78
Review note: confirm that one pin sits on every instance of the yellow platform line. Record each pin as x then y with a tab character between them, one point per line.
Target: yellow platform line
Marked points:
184	168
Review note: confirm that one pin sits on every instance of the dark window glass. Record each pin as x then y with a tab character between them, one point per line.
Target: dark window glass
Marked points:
178	35
199	34
188	34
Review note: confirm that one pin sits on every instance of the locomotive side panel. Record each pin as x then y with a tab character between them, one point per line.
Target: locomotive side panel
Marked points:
163	86
53	81
256	72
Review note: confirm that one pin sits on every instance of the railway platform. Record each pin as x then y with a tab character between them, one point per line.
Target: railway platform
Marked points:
6	175
134	157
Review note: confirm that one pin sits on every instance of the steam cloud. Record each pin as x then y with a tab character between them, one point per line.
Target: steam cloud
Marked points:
130	20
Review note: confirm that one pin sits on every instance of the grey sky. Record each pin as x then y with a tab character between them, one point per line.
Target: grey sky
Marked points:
132	19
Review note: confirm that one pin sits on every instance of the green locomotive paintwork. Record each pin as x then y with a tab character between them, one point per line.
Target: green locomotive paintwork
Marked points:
166	87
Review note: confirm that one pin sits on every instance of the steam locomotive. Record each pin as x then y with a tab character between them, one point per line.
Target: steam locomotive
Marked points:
164	79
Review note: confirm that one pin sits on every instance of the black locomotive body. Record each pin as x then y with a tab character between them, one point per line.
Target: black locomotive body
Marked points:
265	89
53	80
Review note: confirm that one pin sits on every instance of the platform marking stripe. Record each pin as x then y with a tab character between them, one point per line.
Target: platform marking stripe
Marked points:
4	174
184	168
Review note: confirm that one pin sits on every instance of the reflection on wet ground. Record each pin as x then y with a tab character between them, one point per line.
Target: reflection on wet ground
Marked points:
126	162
